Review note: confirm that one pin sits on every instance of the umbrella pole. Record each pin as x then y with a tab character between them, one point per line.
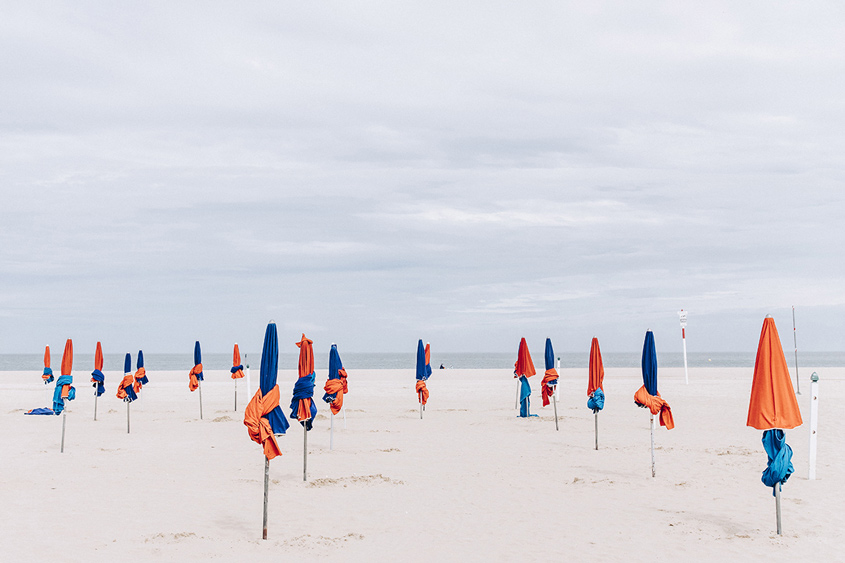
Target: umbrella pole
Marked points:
420	398
652	445
554	401
236	395
304	452
127	417
777	507
266	486
95	405
516	400
597	430
331	434
64	420
199	385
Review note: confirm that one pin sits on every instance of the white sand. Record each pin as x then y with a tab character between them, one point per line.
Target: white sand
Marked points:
470	481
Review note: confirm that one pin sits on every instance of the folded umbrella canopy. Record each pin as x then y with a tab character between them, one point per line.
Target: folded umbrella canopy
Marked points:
647	395
302	407
126	388
97	377
195	375
773	408
422	375
550	379
64	387
47	376
64	391
595	384
262	416
427	360
141	373
237	370
523	369
335	387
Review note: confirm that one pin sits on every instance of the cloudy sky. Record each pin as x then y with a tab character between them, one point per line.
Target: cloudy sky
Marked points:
468	173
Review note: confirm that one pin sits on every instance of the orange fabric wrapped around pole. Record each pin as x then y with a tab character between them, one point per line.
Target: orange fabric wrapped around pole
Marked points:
339	387
422	391
656	405
193	382
773	403
258	427
548	390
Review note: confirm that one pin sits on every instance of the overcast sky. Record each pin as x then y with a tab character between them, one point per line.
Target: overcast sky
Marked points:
469	173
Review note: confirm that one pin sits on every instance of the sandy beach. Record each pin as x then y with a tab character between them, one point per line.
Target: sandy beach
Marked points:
470	481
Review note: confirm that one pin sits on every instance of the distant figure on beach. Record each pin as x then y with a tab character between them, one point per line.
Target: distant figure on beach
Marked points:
442	366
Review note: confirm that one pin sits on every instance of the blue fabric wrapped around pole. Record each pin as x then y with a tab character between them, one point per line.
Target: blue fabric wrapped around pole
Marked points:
58	402
524	400
304	389
269	373
779	466
596	401
422	373
48	372
140	364
198	358
99	380
335	365
649	364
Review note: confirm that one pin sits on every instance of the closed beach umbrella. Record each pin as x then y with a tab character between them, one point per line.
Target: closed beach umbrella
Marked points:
140	373
262	416
550	378
237	370
97	378
523	369
195	375
773	408
427	360
595	384
47	376
126	388
302	406
422	375
647	395
335	388
65	390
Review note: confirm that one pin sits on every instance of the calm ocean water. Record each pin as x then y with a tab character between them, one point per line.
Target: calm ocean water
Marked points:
160	362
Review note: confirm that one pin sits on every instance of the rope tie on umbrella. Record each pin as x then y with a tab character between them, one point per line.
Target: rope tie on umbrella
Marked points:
258	426
196	376
656	405
549	384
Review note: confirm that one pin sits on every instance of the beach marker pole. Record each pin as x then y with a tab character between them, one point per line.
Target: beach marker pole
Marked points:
64	420
248	380
554	401
331	434
683	315
814	422
777	508
266	486
304	451
199	384
795	340
652	446
597	430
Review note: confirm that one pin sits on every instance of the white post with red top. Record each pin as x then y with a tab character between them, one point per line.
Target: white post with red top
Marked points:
683	315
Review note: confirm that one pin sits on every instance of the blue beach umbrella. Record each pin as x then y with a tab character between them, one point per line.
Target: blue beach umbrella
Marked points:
649	364
422	375
269	373
550	379
195	375
647	395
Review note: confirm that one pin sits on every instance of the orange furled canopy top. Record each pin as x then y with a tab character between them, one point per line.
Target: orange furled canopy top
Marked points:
773	403
524	366
67	358
596	373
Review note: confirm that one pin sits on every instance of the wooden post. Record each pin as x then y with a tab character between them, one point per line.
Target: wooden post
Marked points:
266	486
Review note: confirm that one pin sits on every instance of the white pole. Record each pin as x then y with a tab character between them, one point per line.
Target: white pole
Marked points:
777	509
683	316
558	362
814	421
49	394
652	446
64	419
795	341
248	385
516	400
236	395
344	418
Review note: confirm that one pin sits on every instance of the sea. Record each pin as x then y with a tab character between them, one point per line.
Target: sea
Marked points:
451	360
